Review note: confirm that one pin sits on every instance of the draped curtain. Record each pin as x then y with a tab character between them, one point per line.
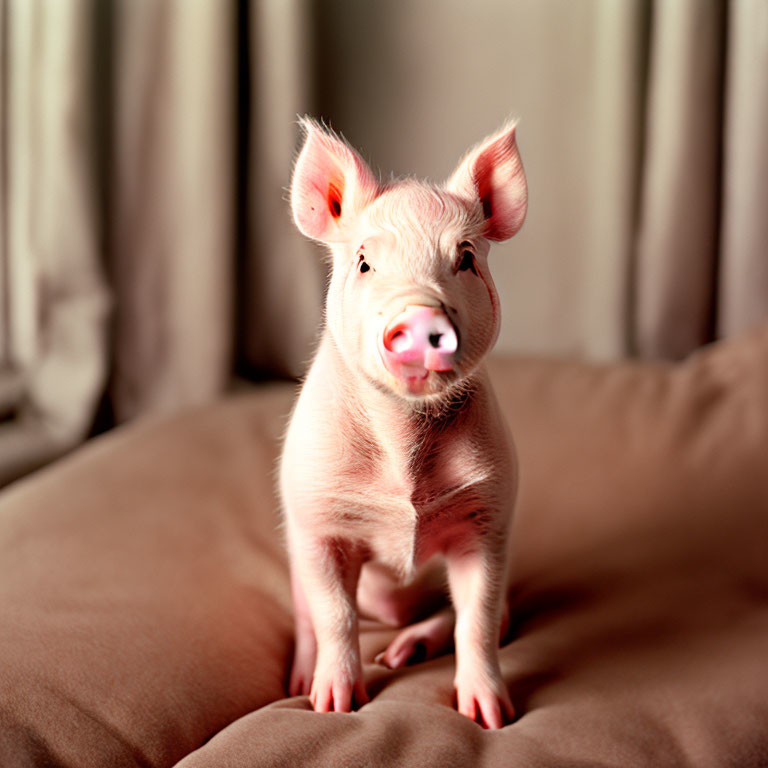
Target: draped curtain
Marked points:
53	297
702	240
146	251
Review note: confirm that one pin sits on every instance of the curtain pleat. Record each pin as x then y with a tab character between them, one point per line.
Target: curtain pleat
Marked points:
283	275
702	258
677	244
6	363
172	197
55	314
743	283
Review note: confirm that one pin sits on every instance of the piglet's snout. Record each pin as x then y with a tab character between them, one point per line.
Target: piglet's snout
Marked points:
419	337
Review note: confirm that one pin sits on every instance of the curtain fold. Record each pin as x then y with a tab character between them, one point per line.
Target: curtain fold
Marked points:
55	308
281	292
172	199
702	253
677	244
743	283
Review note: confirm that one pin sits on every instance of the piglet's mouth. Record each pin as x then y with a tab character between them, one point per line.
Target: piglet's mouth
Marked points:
416	380
419	378
414	377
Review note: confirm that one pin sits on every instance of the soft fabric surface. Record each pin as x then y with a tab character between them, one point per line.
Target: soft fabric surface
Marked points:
145	613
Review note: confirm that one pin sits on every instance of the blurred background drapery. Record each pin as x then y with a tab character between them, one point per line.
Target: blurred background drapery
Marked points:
147	255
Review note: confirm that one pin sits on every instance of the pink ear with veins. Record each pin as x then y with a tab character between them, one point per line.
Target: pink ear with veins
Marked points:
331	185
493	173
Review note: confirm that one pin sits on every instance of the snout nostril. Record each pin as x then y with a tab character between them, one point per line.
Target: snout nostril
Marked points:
399	341
434	339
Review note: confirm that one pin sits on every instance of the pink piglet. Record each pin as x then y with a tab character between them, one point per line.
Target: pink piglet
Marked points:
397	457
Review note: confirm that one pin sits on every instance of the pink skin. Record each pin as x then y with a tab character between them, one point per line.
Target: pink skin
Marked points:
397	458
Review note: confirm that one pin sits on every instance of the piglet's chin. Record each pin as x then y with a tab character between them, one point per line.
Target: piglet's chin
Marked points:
414	380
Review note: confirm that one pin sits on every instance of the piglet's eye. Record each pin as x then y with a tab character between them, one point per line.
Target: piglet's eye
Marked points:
467	261
362	265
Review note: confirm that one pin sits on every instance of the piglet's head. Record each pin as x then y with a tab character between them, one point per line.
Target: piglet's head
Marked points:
411	304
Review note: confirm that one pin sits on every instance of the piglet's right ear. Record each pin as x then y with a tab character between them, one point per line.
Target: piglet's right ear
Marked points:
331	185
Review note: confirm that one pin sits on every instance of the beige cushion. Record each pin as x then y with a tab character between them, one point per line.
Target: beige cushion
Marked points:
145	610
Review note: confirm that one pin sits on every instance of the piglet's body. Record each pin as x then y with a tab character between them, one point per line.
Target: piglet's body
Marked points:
396	451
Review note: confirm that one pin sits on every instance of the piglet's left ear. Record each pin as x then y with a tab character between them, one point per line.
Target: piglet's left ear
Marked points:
493	172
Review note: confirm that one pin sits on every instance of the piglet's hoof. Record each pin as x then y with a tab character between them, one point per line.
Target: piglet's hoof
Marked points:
336	692
420	642
486	704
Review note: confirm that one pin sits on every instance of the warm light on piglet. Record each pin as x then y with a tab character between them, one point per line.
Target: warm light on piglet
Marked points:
397	457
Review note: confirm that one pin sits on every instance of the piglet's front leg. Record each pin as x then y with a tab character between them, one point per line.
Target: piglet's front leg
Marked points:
476	577
328	572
